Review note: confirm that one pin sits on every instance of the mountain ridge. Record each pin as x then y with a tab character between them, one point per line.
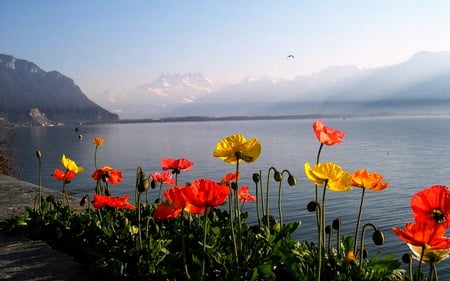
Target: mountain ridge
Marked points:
30	95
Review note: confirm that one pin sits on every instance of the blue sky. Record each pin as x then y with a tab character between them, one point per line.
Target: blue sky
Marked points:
117	45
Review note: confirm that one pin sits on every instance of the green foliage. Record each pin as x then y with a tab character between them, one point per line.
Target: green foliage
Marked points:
106	242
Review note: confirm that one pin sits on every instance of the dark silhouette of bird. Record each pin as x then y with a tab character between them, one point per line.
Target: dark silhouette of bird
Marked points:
290	57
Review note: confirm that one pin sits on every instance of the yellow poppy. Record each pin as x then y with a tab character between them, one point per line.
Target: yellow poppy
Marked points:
70	165
236	147
372	181
337	179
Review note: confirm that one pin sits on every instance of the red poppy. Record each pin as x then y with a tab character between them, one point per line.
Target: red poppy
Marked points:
63	176
176	165
165	211
432	204
230	177
206	193
101	201
107	174
176	196
424	234
327	135
244	196
176	202
164	177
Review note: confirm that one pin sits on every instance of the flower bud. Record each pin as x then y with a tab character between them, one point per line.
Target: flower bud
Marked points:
277	227
144	184
292	180
406	258
38	154
256	177
328	229
153	184
124	222
312	206
337	224
365	253
278	176
378	237
84	200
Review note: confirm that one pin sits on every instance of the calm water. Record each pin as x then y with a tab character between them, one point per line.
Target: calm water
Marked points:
412	153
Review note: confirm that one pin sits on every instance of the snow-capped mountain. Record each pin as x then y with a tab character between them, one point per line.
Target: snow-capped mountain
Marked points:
419	85
163	95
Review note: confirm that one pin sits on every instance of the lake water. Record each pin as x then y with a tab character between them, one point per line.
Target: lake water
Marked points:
411	152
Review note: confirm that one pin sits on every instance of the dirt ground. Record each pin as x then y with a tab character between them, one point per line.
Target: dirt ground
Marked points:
22	258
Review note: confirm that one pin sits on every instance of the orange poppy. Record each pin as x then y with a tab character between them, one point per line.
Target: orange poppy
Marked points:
244	196
424	234
327	135
98	141
101	201
176	165
372	181
432	204
107	174
63	176
206	193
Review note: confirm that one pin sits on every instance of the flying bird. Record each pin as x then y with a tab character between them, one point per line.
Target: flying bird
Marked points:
290	57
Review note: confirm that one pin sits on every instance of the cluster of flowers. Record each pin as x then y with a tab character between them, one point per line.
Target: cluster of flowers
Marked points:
194	198
430	207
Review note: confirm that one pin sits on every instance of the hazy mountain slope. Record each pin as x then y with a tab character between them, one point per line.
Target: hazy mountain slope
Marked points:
24	87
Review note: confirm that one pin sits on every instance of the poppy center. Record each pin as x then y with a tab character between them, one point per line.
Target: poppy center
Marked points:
438	216
240	155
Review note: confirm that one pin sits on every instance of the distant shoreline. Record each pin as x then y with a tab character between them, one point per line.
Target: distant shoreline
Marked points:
272	117
238	118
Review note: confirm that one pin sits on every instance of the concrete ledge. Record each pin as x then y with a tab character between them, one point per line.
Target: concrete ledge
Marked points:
22	258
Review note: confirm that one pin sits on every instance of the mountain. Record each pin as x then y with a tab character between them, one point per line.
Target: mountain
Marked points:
29	94
162	96
418	85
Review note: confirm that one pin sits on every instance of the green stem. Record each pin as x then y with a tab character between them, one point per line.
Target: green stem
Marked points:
319	263
261	193
338	238
39	199
359	218
317	162
267	196
329	240
257	205
204	244
420	263
236	197
280	212
183	245
236	206
95	157
160	191
363	233
233	234
139	221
